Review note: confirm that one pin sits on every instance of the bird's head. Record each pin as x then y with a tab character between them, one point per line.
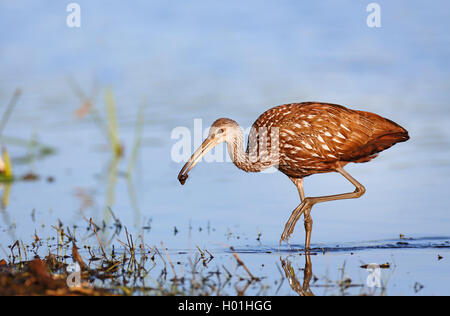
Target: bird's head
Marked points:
222	130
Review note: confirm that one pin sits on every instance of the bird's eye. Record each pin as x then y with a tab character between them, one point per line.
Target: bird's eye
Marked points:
220	131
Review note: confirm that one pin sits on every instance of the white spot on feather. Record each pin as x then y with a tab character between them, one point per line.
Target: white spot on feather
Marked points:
320	139
308	146
345	127
324	146
290	132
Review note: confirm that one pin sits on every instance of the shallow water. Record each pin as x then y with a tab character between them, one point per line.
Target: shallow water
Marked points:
216	59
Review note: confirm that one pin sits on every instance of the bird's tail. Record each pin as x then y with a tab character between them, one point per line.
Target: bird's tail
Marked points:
395	133
388	139
386	134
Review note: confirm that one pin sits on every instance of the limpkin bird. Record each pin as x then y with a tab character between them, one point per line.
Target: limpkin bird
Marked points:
310	138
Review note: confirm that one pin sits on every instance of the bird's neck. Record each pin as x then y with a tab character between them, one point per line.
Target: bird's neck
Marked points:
241	158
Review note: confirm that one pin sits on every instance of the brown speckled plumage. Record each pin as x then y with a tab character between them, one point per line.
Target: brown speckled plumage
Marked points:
316	137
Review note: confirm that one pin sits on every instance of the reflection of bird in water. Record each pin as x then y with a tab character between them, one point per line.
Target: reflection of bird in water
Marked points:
302	290
302	139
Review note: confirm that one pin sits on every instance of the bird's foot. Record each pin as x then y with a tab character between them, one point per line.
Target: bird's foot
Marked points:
305	206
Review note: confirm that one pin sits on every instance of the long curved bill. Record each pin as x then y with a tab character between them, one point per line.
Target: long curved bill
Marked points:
207	145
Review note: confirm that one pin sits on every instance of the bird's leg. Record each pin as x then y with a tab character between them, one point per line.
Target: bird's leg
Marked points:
307	204
300	210
308	228
299	184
